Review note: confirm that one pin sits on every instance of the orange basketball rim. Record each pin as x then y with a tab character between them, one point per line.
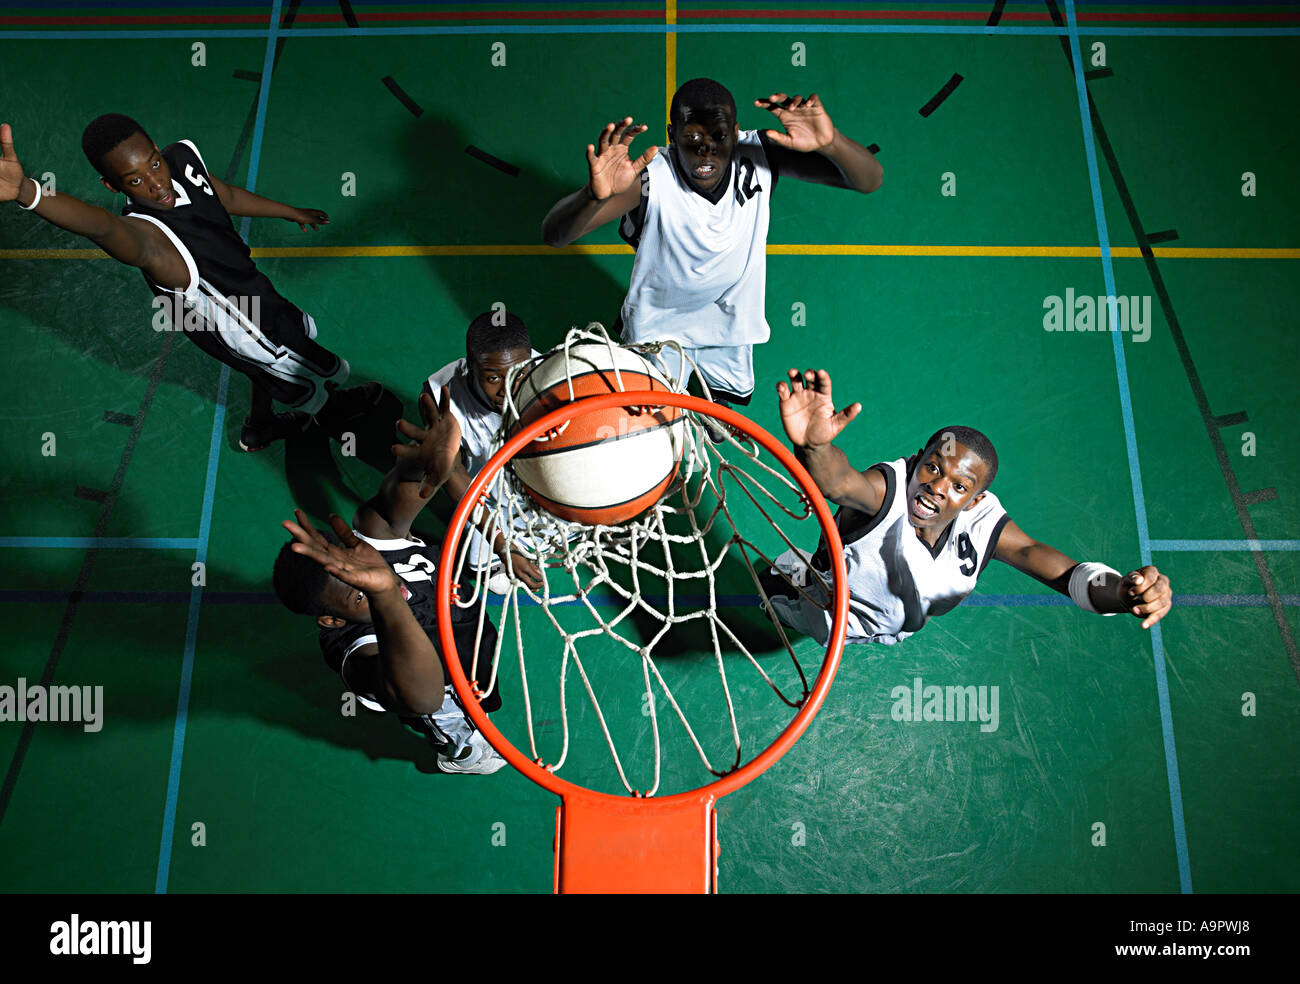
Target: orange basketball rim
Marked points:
630	844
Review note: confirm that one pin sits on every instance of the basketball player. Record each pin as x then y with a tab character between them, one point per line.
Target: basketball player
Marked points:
494	343
176	228
697	216
918	531
371	591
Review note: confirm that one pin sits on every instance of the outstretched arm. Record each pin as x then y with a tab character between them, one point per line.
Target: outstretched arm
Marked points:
1143	592
811	422
241	201
808	128
410	672
420	471
137	244
613	187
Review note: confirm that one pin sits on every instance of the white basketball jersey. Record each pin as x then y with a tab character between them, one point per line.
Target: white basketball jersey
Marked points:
701	267
896	580
478	419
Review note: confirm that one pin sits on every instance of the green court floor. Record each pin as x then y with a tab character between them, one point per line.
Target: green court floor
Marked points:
1123	760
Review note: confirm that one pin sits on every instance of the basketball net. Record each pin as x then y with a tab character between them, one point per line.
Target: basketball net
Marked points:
643	585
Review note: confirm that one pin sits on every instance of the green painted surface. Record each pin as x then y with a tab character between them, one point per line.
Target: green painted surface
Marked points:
294	796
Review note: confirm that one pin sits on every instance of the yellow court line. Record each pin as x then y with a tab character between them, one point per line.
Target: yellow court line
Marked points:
670	50
611	249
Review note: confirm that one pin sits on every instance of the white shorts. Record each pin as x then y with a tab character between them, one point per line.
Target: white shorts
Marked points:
728	368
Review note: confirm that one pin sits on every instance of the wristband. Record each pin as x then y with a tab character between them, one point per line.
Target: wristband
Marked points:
1082	575
35	201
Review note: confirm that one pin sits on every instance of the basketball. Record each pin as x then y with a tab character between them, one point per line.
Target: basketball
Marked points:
602	467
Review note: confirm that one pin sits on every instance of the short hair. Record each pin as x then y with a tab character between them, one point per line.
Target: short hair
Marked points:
975	440
701	100
299	581
103	133
496	331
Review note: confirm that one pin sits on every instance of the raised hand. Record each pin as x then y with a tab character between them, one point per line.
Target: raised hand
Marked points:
807	410
439	442
305	217
11	172
1147	595
611	169
354	562
808	127
523	568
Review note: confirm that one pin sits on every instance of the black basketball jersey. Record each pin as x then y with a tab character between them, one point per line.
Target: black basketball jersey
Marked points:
226	292
414	563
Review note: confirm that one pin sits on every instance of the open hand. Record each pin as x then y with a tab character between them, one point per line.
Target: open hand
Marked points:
611	170
11	172
808	127
305	217
354	562
807	410
439	442
522	568
1147	595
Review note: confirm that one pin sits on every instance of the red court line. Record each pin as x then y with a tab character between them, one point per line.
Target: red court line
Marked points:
966	15
365	20
804	15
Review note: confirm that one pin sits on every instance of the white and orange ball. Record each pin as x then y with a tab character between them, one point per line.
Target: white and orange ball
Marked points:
604	466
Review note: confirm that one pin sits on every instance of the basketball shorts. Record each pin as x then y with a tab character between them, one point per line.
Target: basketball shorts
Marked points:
292	367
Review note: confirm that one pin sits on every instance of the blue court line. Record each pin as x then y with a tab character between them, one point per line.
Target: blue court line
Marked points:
102	542
1130	439
209	495
1210	545
720	27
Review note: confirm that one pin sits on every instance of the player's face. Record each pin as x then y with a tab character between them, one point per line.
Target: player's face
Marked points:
139	170
346	602
490	370
942	485
703	150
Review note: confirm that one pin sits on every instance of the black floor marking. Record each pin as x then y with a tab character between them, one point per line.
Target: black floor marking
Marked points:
113	417
1228	419
995	14
247	76
78	588
89	494
108	501
496	162
348	15
1239	500
874	148
1098	73
941	95
1260	495
1167	236
402	97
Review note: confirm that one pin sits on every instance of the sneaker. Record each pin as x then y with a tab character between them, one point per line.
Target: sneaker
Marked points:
476	758
499	583
255	437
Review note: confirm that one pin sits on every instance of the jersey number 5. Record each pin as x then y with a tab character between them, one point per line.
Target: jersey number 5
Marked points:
966	551
198	180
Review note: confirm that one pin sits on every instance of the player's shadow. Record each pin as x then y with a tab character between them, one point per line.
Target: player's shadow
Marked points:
451	197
